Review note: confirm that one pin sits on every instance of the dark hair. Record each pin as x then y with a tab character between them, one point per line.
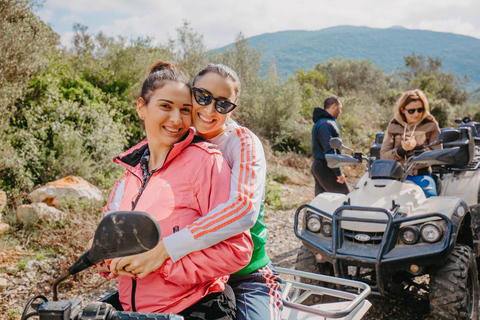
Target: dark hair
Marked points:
222	70
161	72
330	101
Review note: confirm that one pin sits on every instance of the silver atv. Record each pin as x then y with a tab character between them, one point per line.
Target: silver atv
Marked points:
388	234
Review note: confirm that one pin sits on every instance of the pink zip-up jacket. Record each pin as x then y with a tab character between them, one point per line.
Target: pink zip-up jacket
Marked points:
194	179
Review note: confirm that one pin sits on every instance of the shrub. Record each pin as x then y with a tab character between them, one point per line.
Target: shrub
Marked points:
63	128
273	195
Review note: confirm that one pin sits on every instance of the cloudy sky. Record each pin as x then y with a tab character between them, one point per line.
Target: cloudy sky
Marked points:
219	21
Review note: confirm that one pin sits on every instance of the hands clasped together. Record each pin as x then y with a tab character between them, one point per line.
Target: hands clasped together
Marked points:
135	266
409	144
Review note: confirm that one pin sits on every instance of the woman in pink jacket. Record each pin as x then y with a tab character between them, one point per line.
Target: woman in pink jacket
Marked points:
216	89
177	179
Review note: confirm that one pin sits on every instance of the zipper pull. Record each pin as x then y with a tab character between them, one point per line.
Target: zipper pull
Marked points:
175	229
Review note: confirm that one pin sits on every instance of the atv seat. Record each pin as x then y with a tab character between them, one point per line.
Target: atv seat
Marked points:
375	149
475	127
387	169
466	143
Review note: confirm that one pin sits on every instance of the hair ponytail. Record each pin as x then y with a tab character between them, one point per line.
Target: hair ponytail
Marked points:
162	65
161	72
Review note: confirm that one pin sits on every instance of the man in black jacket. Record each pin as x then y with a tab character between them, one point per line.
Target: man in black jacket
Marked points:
325	128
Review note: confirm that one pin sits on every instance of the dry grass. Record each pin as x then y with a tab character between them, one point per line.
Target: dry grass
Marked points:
53	247
287	167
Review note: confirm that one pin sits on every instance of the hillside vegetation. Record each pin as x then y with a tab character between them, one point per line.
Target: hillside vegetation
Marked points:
69	112
386	48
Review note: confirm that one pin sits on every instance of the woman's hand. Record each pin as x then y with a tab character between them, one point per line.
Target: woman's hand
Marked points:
140	265
341	178
409	144
102	266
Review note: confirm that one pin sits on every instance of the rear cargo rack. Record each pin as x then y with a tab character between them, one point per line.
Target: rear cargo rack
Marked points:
354	306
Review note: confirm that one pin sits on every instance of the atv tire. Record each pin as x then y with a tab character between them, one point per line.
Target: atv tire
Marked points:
454	288
306	262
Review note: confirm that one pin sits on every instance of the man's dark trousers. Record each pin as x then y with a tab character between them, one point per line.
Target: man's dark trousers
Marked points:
326	179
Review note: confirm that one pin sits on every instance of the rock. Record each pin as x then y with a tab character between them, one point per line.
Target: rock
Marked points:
11	270
31	213
3	283
3	201
20	282
31	265
54	193
31	275
3	228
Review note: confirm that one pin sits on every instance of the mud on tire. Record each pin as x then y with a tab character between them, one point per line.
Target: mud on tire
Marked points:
306	262
454	288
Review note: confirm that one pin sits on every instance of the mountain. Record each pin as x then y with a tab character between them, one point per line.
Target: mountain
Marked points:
386	48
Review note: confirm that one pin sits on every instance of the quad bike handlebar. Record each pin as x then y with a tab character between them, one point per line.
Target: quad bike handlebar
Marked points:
448	156
72	310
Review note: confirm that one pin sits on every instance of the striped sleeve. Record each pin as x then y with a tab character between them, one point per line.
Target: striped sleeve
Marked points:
247	183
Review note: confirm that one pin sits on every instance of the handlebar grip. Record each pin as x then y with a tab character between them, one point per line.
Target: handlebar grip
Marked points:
124	315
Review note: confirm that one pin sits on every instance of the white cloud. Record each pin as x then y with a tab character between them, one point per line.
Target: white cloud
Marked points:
450	25
66	39
221	20
45	14
89	6
71	18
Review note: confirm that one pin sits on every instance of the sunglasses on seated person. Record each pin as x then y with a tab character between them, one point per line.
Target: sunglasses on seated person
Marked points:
412	111
204	98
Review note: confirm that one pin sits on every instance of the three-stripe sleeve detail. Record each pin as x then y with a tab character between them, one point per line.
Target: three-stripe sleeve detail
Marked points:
245	191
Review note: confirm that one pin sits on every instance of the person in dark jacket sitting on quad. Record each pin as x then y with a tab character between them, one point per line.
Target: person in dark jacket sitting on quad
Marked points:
325	128
412	128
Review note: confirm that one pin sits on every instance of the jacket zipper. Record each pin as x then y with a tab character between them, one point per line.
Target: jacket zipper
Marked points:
144	185
134	290
134	204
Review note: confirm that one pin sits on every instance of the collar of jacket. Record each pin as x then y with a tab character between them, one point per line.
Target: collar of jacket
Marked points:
319	113
130	159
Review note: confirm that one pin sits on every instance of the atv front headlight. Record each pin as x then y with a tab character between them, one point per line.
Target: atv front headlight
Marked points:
431	232
410	234
327	228
313	223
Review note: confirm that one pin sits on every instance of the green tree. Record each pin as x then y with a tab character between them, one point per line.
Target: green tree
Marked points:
246	63
313	87
189	50
426	73
349	76
275	112
26	46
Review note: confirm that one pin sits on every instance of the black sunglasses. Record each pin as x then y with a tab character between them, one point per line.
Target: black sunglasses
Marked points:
412	111
204	98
